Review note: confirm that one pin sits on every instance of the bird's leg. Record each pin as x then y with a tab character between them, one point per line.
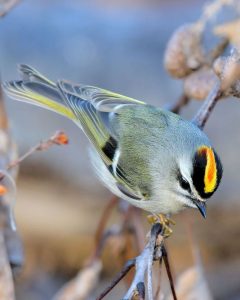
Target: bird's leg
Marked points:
164	221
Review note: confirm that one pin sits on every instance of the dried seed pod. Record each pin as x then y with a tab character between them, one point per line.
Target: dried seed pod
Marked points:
228	70
199	84
184	52
231	72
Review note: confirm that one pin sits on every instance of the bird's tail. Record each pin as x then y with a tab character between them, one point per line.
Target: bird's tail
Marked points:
38	90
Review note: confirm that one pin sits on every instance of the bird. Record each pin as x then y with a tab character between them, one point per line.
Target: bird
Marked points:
146	155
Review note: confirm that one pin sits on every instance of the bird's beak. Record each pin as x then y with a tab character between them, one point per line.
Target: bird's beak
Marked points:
202	207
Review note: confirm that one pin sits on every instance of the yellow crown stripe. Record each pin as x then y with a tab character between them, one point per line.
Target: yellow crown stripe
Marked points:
210	176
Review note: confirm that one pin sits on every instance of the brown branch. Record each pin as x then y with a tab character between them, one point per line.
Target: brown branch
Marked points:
59	138
143	265
128	266
81	286
225	86
7	7
169	273
176	107
104	219
203	114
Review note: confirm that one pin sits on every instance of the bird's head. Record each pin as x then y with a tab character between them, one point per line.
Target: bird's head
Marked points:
199	177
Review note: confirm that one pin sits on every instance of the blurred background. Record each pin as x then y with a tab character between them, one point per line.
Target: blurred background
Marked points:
117	45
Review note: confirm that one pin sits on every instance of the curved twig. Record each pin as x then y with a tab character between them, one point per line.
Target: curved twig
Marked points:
176	107
204	112
128	266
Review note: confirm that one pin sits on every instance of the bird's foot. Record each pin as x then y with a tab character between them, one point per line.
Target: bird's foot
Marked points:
164	221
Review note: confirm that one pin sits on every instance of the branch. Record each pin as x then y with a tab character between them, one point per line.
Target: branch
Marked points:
58	138
103	221
86	280
128	266
143	265
203	114
182	101
228	71
169	274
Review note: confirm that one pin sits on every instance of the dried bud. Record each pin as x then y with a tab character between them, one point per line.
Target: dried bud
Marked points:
200	83
228	70
3	190
61	138
231	72
184	52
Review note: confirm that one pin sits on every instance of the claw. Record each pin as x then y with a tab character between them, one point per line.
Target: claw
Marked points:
164	221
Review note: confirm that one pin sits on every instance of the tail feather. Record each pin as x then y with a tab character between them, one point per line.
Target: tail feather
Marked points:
31	74
39	94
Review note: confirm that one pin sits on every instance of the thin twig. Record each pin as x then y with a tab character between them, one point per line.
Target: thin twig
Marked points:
88	277
143	262
59	138
104	218
128	266
169	273
182	101
82	283
218	50
203	114
142	265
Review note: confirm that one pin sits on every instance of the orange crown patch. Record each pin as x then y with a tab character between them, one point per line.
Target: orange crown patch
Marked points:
210	176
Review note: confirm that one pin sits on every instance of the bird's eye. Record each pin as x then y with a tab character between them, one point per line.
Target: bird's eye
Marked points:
184	183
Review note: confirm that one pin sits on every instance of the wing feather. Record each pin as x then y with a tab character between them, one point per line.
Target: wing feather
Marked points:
84	102
91	108
103	100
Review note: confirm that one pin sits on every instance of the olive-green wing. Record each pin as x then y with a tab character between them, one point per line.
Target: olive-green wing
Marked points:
89	105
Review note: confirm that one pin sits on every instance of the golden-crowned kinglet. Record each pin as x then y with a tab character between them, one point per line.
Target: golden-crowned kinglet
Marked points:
146	155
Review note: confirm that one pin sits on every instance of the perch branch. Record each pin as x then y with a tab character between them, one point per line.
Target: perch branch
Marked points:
143	266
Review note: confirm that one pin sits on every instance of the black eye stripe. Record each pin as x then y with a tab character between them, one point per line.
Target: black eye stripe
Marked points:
184	183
